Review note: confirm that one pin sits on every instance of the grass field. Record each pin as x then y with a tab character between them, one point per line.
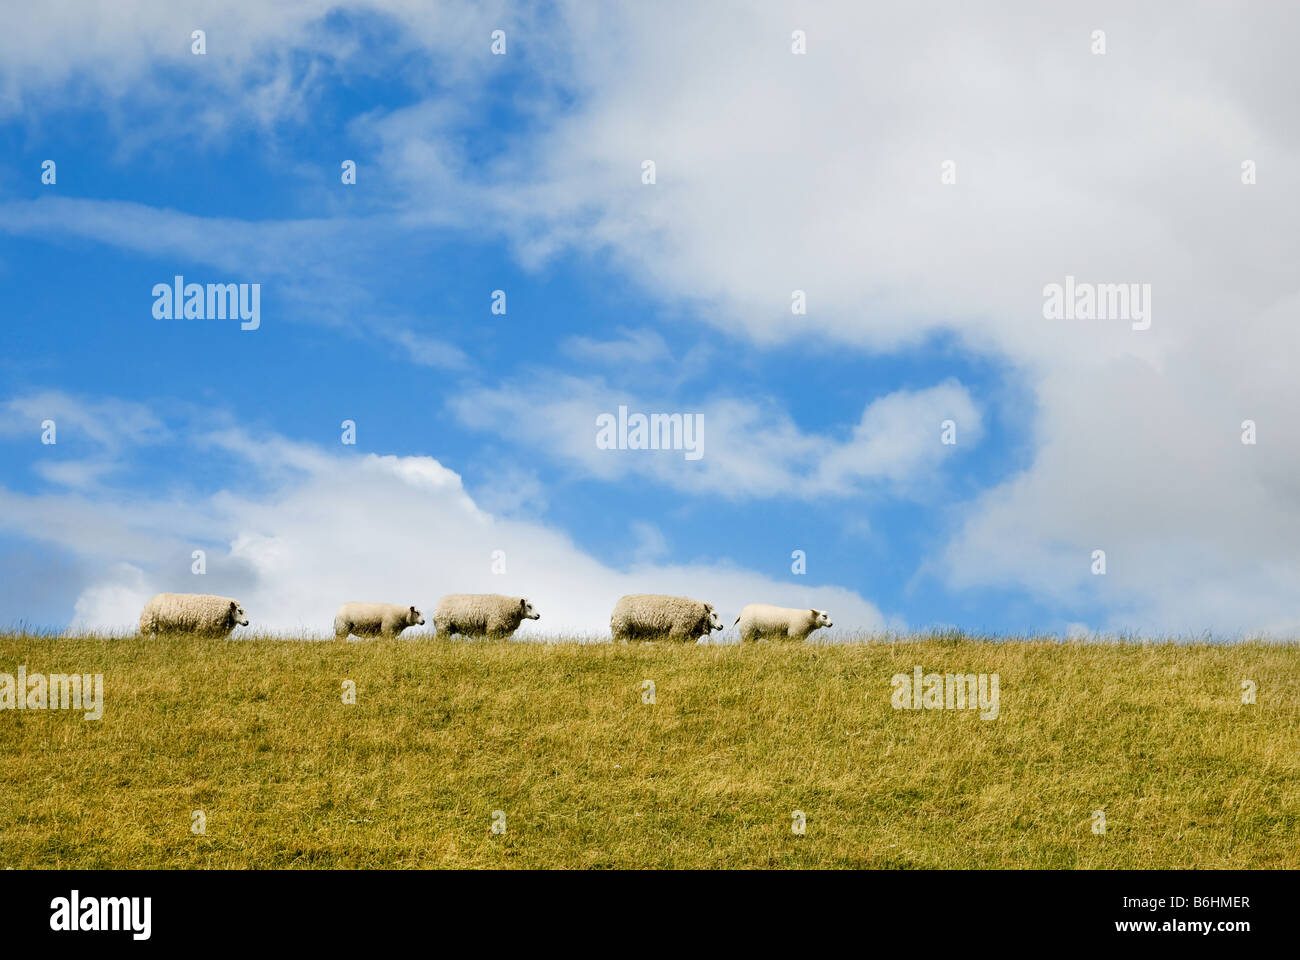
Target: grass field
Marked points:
255	734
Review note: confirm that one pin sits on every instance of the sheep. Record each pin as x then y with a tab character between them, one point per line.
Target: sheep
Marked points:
651	616
199	613
761	621
481	615
375	619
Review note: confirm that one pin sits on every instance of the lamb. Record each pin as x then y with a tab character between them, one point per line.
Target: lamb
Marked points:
199	613
651	616
761	621
375	619
481	615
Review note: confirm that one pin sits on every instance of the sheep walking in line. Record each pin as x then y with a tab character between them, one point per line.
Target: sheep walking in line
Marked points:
762	621
654	616
481	615
375	619
198	613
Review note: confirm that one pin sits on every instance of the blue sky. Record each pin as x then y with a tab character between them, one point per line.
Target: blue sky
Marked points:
522	173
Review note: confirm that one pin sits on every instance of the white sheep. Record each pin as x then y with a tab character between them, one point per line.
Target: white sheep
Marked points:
375	619
762	621
200	613
481	615
654	616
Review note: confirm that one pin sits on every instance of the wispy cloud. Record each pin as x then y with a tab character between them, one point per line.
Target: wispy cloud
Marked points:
751	447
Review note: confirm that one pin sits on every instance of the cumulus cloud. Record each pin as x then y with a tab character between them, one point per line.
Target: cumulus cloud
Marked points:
310	529
822	173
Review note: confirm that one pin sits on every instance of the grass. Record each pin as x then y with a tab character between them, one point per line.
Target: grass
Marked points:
254	733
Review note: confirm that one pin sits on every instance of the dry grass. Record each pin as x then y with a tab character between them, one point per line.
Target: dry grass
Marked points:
255	734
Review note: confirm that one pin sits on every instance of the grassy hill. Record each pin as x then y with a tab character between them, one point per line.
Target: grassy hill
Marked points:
255	734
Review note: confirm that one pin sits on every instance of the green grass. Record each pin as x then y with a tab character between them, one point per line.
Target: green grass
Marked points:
255	734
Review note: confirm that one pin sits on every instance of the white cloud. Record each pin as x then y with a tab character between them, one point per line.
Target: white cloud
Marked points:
751	447
263	62
821	172
112	604
632	348
429	352
91	438
647	353
900	438
106	424
297	259
326	528
651	544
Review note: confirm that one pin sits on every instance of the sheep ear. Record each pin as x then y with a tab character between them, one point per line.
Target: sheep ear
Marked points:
233	606
413	608
523	602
